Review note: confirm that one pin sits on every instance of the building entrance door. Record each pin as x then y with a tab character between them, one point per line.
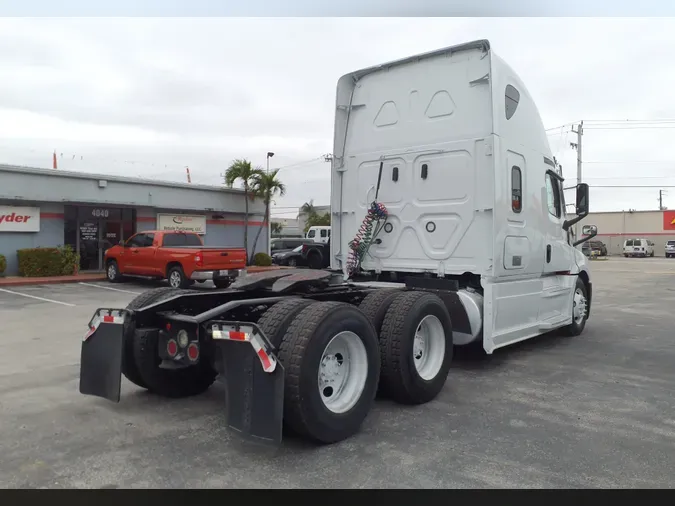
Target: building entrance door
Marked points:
92	230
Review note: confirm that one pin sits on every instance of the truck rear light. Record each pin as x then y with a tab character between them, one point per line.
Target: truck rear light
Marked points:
247	334
193	352
199	260
172	348
183	338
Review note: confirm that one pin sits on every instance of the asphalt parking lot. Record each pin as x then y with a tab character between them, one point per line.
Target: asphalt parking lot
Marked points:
597	410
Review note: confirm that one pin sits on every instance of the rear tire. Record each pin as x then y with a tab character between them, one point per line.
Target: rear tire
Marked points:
580	301
275	321
222	283
376	304
175	383
314	261
330	355
415	348
177	278
112	272
129	368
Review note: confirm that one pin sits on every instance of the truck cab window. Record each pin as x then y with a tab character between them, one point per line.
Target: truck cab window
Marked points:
136	241
324	233
311	234
512	99
148	240
171	240
553	195
516	189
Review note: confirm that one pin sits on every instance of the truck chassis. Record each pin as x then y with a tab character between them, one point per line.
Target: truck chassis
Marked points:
299	349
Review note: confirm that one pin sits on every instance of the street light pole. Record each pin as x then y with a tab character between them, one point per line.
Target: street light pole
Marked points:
267	215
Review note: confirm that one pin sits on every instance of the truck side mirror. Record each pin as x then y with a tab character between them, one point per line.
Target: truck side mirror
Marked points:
589	230
582	199
581	205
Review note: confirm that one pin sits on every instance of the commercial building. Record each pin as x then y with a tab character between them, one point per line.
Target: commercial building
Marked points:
289	227
615	227
90	212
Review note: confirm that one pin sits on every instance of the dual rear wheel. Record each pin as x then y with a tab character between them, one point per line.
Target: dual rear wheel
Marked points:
336	357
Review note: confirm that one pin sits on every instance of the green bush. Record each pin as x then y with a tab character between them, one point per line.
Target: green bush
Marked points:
42	262
70	261
3	264
262	260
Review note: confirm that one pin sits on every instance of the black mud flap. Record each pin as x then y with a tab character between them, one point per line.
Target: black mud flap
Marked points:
255	398
101	356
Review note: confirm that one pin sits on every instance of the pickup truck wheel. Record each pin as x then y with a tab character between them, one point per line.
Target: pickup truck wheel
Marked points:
330	355
222	283
314	260
177	278
172	383
579	310
415	348
112	272
129	368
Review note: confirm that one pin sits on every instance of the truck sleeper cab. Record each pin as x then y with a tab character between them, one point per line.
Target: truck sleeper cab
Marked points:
448	229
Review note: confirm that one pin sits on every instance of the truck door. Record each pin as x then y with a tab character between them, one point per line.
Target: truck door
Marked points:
558	253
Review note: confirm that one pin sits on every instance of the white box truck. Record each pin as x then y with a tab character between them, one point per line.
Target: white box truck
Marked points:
448	229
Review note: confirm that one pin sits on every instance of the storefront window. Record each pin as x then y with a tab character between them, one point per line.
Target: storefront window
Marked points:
90	230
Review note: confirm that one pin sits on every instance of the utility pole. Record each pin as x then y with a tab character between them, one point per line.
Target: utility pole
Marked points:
267	213
580	132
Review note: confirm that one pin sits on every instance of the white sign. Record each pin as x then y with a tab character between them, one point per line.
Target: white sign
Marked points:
19	219
181	223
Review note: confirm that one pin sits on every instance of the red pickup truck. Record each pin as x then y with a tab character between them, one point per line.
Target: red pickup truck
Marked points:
180	257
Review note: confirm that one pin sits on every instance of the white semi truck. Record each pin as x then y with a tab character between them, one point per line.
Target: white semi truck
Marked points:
448	229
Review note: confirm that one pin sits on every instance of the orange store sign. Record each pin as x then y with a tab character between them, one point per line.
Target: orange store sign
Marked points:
668	220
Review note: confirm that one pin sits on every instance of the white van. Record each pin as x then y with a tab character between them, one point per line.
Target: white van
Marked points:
318	234
638	248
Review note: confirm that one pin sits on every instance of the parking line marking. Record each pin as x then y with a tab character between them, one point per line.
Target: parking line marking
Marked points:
109	288
37	298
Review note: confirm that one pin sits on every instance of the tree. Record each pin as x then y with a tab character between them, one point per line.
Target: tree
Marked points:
317	220
242	170
308	209
266	186
276	228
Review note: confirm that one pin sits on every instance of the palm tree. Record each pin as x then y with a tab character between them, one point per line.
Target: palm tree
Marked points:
266	186
242	170
308	208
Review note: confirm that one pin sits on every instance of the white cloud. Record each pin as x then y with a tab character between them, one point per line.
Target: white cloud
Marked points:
170	92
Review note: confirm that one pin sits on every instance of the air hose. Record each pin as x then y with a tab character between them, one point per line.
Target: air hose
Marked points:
368	231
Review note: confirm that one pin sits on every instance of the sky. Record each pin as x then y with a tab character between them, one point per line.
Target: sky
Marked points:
149	96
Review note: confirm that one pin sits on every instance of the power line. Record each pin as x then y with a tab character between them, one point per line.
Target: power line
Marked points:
629	161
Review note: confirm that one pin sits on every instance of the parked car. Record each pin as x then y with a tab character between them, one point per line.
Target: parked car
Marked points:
670	249
180	257
290	258
638	248
586	249
598	246
279	244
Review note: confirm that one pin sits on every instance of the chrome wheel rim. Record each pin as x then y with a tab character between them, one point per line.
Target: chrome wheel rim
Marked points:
112	271
580	306
174	279
343	372
429	347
